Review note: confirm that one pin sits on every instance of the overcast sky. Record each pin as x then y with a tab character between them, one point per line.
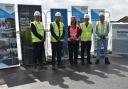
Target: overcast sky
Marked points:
117	8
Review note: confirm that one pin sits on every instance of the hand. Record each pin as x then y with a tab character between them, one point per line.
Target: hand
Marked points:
43	39
102	36
73	37
60	38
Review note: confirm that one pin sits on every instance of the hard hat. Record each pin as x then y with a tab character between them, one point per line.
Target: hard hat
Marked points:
101	14
37	13
86	16
57	14
73	17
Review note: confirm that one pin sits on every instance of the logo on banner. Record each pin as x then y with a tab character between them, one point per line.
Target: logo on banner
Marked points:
79	11
95	14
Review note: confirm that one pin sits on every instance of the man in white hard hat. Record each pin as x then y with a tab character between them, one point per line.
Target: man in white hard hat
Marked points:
57	39
102	30
86	34
38	38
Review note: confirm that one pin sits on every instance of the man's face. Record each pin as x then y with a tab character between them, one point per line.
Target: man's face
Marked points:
37	18
86	19
102	18
58	18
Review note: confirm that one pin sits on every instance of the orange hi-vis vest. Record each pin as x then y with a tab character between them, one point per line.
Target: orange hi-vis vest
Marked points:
73	33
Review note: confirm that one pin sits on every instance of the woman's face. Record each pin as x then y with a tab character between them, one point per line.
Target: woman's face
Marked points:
73	21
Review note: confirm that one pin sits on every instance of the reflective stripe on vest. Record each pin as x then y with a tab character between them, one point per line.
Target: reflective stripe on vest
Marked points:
56	31
86	32
73	32
40	30
100	27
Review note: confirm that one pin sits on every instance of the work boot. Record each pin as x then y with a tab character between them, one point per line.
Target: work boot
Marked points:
35	70
75	62
71	63
89	62
60	65
82	63
34	67
31	69
97	62
53	67
42	67
107	61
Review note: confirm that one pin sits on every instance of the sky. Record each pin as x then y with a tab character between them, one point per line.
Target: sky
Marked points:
117	8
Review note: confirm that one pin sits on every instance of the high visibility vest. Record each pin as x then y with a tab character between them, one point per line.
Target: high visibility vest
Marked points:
73	32
100	29
86	33
57	30
40	30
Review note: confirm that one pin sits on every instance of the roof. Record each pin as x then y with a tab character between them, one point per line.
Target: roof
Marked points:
124	19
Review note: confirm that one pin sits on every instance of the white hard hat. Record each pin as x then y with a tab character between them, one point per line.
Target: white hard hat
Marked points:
57	14
37	13
101	14
86	16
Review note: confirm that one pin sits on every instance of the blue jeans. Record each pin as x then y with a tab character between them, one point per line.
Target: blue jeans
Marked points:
99	45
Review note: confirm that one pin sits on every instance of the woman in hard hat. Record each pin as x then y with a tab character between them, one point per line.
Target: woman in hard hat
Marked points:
57	39
73	41
86	34
38	38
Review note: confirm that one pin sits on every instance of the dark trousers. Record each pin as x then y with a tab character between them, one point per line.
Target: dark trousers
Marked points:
85	45
56	51
38	53
73	51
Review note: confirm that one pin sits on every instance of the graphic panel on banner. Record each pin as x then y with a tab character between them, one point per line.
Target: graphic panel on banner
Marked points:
79	11
25	13
8	44
95	14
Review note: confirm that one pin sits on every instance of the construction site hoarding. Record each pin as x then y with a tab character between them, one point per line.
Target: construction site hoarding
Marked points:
120	38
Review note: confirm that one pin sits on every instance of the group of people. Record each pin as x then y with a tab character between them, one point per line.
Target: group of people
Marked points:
77	33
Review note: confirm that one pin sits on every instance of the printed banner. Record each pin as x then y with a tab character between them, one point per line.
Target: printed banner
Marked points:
8	44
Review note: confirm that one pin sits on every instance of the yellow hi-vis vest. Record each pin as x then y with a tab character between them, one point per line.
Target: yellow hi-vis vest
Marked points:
86	33
56	31
100	29
40	30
